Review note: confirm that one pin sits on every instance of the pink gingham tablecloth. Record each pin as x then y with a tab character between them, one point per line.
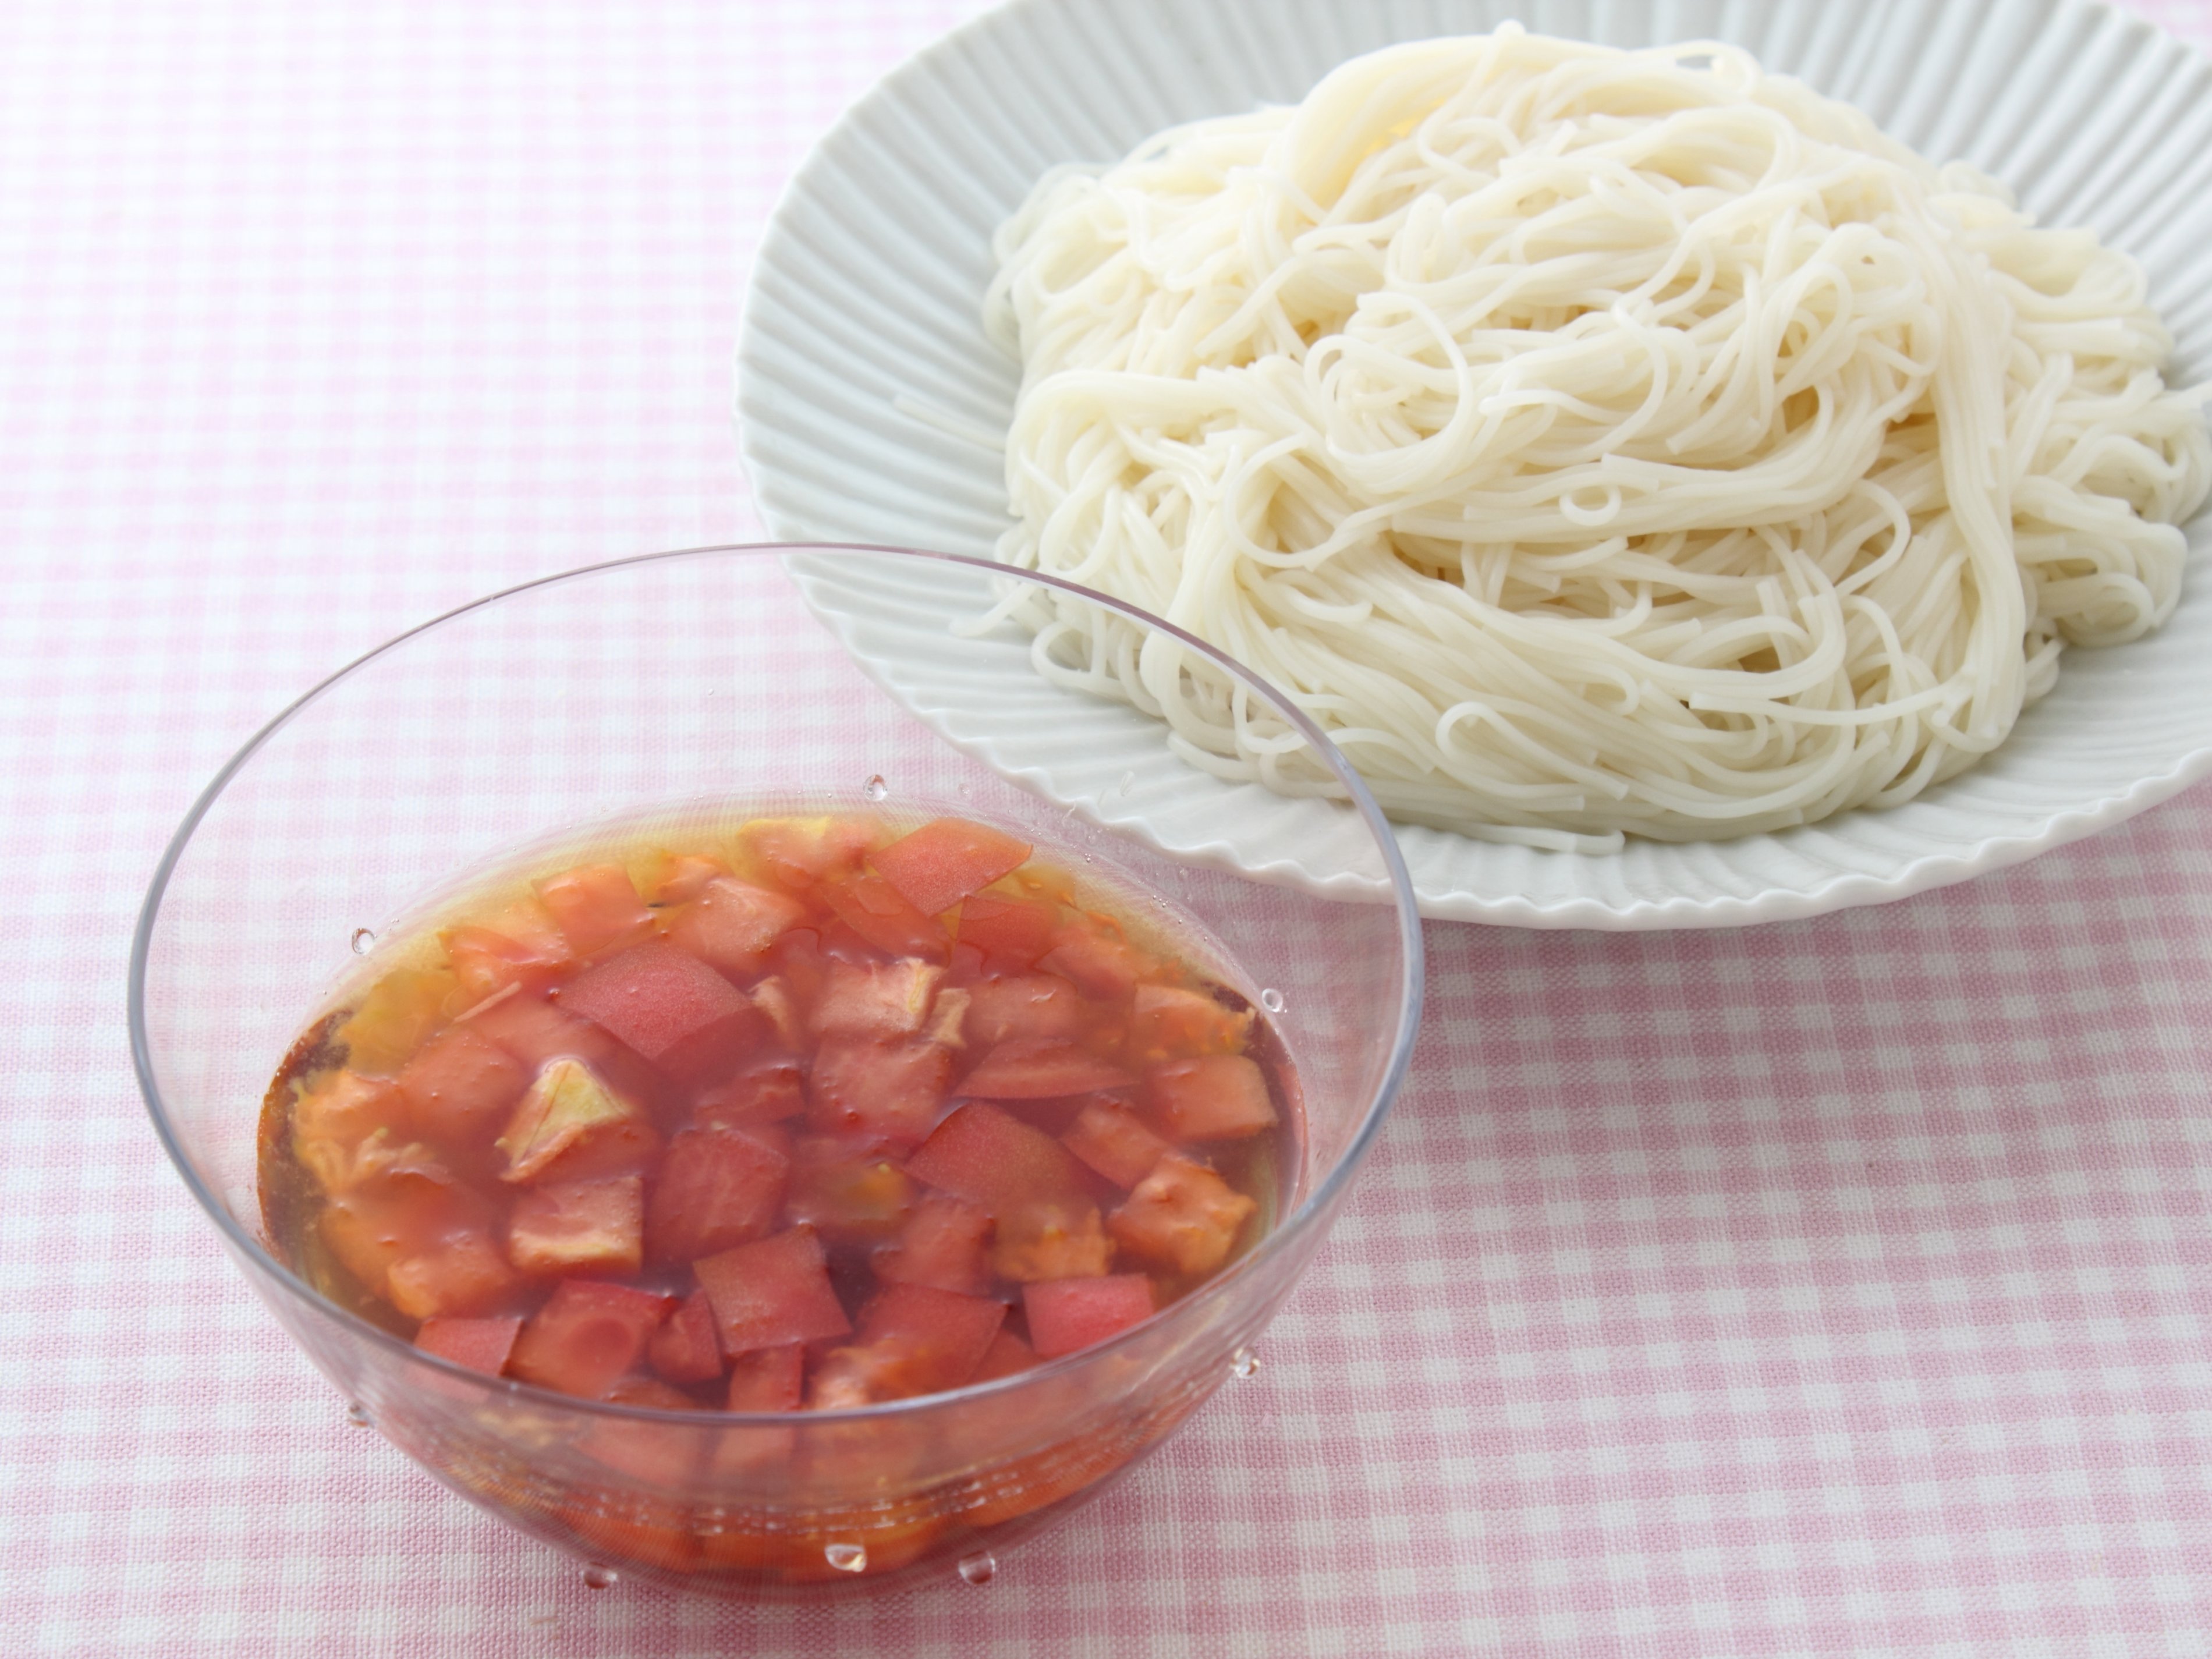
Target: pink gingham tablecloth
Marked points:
1835	1287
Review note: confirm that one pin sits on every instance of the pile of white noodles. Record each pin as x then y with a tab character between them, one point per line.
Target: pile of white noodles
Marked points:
1591	441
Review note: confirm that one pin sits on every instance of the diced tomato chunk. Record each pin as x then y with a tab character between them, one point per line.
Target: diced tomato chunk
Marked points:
1114	1140
717	1188
1102	963
578	1226
796	853
332	1118
773	1291
461	1087
664	1454
586	1336
936	866
1010	932
1167	1022
1214	1098
1182	1218
570	1125
1069	1314
912	1339
768	1379
880	914
400	1009
400	1204
1035	1007
774	1001
1051	1238
853	1195
534	1031
733	925
688	1347
462	1274
765	1095
482	1344
1040	1068
945	1243
884	1091
670	1007
679	878
881	999
521	945
597	908
1008	1355
981	1154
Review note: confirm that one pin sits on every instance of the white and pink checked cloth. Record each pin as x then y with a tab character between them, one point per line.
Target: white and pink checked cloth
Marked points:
1841	1287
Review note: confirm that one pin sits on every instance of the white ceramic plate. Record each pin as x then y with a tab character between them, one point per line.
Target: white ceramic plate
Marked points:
872	407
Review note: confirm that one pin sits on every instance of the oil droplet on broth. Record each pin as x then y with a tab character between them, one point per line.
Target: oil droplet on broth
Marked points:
599	1577
979	1568
363	941
875	788
1244	1365
846	1558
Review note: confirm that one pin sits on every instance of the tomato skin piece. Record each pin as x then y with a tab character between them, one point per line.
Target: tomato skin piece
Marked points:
880	914
1035	1007
1182	1218
1042	1068
884	1092
732	926
772	1293
688	1347
482	1344
945	1244
460	1087
1069	1314
940	864
665	1004
717	1188
1114	1141
578	1226
768	1379
1167	1022
597	908
587	1336
996	1161
1011	933
1214	1098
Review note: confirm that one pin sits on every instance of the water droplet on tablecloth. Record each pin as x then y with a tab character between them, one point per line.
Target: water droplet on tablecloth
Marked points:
355	1414
981	1568
1244	1364
599	1577
875	788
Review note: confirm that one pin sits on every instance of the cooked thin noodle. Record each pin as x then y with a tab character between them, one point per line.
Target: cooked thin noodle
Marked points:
1592	441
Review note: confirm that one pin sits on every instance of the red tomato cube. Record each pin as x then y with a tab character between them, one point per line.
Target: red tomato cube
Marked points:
1214	1098
461	1086
936	866
596	908
1167	1022
1008	1355
945	1243
717	1188
884	1091
1051	1239
1011	933
880	914
578	1226
850	1194
981	1154
751	1100
570	1125
522	945
771	1293
1114	1140
482	1344
666	1004
1067	1314
688	1348
768	1379
1036	1005
1182	1218
534	1031
462	1274
796	853
880	999
1040	1068
914	1339
1101	961
733	925
587	1336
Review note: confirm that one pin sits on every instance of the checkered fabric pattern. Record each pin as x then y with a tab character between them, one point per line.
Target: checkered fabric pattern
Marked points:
1842	1286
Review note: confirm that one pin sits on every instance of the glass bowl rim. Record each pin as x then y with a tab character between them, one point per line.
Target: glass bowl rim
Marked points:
1300	1220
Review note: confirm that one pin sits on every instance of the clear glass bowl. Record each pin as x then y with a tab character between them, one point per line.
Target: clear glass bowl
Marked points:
670	684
